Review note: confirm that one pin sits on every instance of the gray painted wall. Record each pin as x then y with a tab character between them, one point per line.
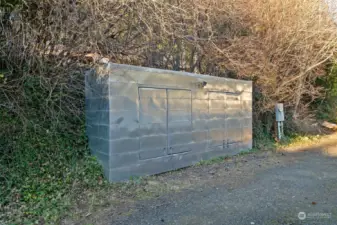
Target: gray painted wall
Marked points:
143	121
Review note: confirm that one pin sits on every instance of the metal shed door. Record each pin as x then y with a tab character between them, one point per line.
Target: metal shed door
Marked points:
217	120
179	120
165	117
153	122
233	119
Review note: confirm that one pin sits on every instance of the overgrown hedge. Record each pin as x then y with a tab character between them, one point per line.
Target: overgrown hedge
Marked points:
327	105
44	160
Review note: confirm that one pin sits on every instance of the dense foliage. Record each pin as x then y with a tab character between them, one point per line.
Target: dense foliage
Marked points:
327	105
44	159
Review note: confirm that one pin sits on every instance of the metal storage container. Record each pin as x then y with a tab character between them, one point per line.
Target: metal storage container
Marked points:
143	121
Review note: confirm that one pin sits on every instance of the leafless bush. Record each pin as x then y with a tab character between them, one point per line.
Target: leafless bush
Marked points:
296	38
281	45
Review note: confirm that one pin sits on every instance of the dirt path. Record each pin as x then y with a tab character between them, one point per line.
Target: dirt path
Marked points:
260	188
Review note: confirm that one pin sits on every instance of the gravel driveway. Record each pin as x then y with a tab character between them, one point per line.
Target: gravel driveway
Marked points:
261	188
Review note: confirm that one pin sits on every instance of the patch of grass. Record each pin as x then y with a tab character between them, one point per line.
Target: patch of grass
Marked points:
327	106
249	151
220	159
212	161
298	139
137	180
262	131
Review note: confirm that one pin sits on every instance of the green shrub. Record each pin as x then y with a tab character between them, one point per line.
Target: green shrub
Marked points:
327	107
10	3
44	158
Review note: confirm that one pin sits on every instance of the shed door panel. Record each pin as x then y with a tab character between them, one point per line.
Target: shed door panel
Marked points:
179	120
217	118
153	122
233	118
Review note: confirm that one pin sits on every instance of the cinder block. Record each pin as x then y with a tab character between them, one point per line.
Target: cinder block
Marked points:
216	104
152	93
152	116
123	103
123	89
247	96
244	86
150	142
145	167
120	160
93	130
247	122
99	145
216	123
180	138
199	147
99	104
119	75
247	113
96	87
156	165
98	117
152	129
179	105
104	132
180	127
233	149
247	105
124	145
123	118
199	94
247	145
185	159
247	134
179	94
200	125
152	153
179	149
234	113
217	96
233	123
176	116
200	104
199	114
231	86
217	113
119	131
233	135
199	136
